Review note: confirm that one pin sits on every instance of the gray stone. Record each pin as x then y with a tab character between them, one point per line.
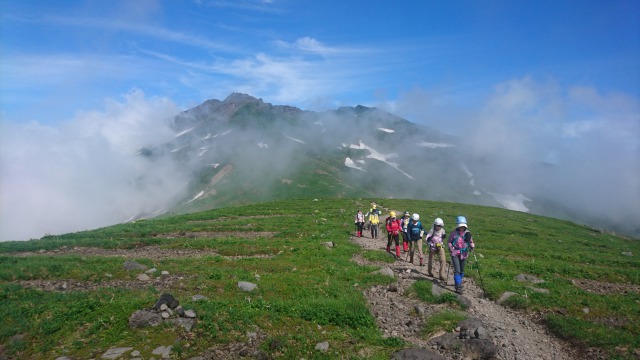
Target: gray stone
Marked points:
505	296
165	315
471	323
420	311
167	299
185	323
142	318
626	253
144	277
464	301
529	278
538	290
164	273
63	358
323	346
437	290
163	351
190	314
329	244
199	297
133	265
115	353
135	353
246	286
386	272
481	333
151	271
416	354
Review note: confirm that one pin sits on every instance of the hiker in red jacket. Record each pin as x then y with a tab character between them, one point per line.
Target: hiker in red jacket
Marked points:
393	228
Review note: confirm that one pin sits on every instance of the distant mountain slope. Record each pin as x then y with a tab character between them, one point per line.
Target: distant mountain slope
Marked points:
242	150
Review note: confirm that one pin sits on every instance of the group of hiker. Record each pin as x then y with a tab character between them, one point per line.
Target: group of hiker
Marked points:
459	242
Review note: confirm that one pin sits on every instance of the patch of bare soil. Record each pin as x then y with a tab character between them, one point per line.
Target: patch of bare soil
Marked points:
162	283
605	288
218	234
516	334
145	252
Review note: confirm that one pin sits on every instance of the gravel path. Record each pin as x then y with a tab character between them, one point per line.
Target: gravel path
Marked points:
514	333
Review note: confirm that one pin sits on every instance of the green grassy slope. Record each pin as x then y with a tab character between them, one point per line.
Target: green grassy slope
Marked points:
307	293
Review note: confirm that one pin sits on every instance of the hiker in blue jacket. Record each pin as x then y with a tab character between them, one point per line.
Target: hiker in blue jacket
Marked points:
415	232
460	245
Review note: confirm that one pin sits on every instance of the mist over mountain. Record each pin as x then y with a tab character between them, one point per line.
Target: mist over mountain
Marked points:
244	150
156	160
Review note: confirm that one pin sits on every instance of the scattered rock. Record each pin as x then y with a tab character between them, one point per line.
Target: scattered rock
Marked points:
386	272
164	273
143	318
437	290
246	286
190	314
199	297
529	278
505	296
151	271
538	290
184	323
163	351
626	253
133	265
166	299
329	244
323	346
144	277
115	353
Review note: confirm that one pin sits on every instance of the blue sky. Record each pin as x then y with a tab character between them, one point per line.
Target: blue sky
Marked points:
85	84
60	57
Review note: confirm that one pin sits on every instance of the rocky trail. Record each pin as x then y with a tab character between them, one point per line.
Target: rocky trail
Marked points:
515	335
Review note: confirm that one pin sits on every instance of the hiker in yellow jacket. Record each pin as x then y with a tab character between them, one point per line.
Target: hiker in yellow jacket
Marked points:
374	221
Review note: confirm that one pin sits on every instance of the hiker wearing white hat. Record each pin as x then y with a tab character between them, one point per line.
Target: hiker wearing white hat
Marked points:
460	244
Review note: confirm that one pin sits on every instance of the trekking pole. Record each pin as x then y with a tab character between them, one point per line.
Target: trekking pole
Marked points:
479	275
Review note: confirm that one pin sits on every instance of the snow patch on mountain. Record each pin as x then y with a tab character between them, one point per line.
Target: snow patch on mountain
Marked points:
293	139
512	202
434	145
472	180
184	132
263	145
389	131
350	163
374	154
197	196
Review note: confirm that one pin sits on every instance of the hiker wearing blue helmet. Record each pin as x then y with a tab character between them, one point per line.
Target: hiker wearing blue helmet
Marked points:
460	245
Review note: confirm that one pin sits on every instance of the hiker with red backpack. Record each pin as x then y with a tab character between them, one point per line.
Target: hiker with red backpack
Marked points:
460	245
393	230
436	238
359	222
415	231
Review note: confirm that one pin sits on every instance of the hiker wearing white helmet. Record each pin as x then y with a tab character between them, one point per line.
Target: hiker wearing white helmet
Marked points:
436	238
415	232
460	245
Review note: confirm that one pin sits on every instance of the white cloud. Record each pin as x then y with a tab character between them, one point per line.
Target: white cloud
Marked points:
86	172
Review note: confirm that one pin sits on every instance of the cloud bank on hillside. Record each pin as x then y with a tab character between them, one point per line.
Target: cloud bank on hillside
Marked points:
86	173
590	139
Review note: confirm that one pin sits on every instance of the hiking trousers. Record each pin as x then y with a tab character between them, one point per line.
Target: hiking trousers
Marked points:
458	270
412	247
374	231
441	259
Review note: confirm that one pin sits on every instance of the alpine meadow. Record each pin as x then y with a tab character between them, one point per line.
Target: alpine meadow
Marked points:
70	295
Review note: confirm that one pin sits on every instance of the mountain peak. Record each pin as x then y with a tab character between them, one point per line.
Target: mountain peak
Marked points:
240	99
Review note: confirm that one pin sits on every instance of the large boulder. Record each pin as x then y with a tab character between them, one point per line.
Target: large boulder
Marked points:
143	318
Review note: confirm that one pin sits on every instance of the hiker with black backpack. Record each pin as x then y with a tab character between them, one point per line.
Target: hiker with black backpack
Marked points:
460	245
436	238
415	231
